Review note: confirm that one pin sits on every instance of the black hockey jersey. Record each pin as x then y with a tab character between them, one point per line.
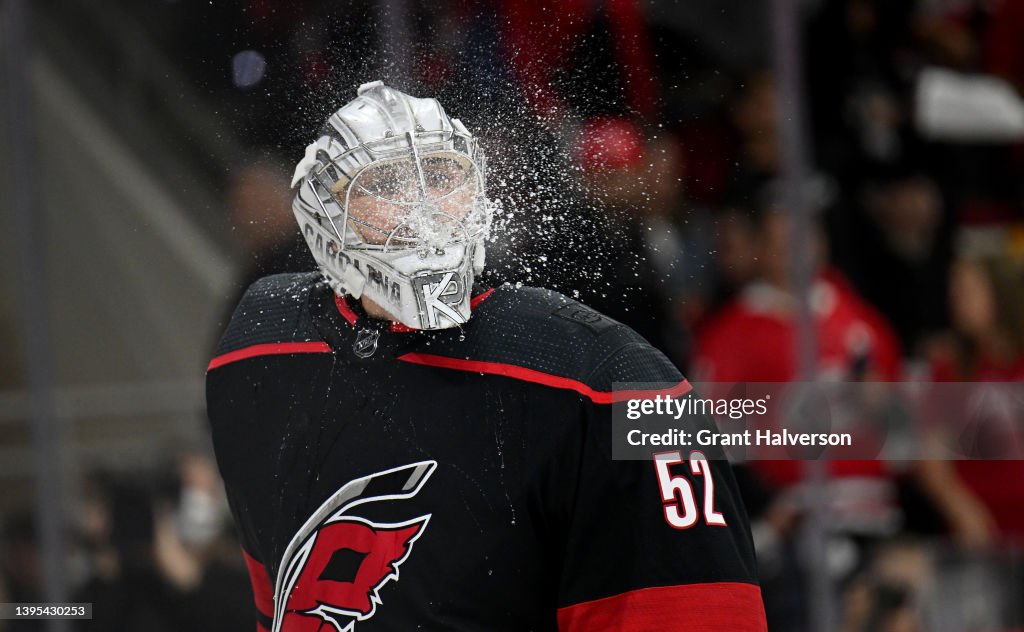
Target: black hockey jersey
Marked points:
384	478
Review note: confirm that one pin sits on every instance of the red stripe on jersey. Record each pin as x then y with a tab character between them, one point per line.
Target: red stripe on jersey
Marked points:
480	298
717	607
538	377
344	309
273	348
262	593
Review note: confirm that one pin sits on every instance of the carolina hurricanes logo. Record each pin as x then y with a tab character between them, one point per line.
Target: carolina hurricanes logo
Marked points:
336	564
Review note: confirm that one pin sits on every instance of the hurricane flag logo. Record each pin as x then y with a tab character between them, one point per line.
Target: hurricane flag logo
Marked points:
336	564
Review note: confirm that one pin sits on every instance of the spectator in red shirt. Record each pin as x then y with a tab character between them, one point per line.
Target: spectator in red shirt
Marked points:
987	345
753	339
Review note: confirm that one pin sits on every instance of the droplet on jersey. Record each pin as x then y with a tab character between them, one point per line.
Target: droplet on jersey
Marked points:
248	68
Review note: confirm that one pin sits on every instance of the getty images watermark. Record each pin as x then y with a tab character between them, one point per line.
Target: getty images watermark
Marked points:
694	435
781	421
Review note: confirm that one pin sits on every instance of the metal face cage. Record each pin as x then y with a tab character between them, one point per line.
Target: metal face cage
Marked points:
419	190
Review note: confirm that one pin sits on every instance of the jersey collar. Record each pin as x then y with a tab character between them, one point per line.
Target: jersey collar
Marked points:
353	313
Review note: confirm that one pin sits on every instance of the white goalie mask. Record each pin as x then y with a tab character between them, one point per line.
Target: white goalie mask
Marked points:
391	203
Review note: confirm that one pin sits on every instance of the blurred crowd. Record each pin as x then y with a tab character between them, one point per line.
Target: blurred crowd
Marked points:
635	151
152	550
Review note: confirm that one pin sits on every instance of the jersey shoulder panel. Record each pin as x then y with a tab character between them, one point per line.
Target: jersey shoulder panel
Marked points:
545	331
274	309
